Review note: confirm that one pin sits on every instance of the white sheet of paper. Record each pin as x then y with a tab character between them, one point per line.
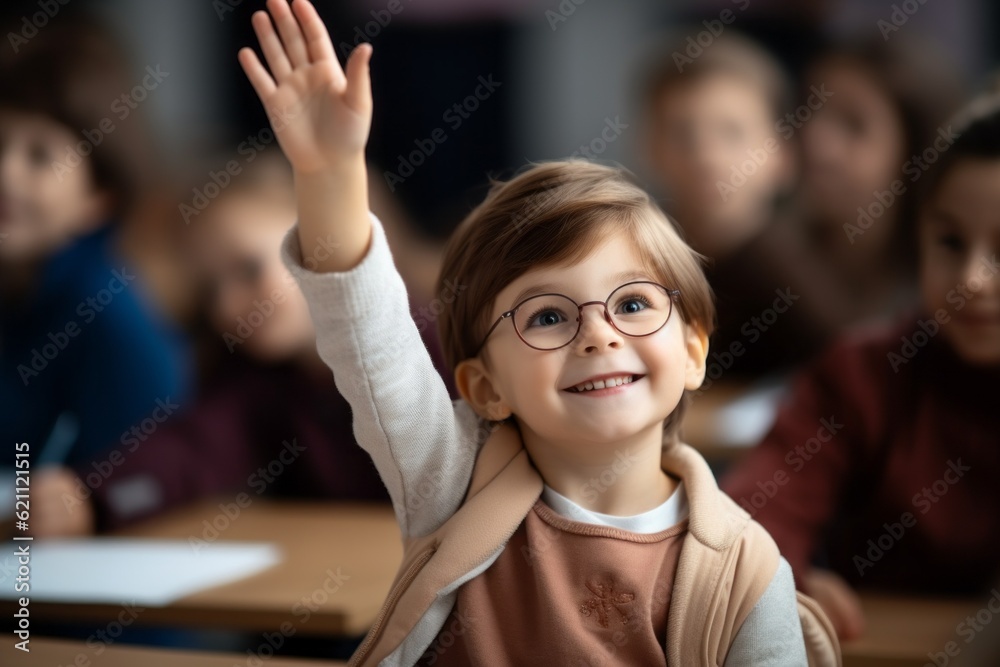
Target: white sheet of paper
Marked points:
151	573
745	421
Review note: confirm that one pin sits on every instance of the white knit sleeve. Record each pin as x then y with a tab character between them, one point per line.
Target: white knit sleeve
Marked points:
422	443
772	633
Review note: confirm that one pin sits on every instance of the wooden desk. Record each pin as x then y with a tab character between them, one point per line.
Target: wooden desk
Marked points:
61	653
900	632
339	562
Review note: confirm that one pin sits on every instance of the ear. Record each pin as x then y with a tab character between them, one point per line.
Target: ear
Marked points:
696	344
475	384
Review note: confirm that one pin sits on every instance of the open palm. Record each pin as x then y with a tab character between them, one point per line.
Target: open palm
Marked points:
320	114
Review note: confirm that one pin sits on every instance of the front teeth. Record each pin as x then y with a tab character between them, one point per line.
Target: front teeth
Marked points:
601	384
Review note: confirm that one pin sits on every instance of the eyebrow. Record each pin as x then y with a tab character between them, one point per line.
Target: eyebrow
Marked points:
939	217
614	281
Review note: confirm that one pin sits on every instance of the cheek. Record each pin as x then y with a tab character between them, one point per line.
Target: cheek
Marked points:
936	279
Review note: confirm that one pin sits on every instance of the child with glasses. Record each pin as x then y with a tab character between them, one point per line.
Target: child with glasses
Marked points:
551	515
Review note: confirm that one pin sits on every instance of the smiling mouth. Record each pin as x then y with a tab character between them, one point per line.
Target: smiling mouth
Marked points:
606	383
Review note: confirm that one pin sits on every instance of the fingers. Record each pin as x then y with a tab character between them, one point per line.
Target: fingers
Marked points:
839	601
358	95
261	81
51	516
316	36
291	34
852	616
274	52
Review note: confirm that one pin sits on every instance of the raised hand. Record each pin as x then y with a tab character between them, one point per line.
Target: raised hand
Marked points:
321	117
320	114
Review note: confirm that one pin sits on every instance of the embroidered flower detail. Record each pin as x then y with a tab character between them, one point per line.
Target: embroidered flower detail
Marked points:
604	600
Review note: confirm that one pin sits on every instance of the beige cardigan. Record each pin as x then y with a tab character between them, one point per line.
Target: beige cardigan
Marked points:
725	552
458	501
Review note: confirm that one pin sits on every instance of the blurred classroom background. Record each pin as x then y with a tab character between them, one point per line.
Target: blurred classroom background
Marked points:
465	91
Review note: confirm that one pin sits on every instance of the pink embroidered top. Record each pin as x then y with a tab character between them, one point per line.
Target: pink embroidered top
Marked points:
571	592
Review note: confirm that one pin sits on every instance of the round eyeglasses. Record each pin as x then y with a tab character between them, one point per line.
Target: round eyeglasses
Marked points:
552	321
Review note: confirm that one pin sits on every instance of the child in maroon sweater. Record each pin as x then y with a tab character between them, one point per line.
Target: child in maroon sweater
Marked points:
271	422
885	461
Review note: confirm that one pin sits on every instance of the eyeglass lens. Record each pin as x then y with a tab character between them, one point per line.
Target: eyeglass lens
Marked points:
549	321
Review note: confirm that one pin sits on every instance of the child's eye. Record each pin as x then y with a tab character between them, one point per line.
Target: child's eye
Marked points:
631	304
249	271
40	155
952	242
545	317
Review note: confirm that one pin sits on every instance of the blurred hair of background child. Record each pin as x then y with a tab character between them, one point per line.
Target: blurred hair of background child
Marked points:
722	152
882	468
270	421
86	352
864	152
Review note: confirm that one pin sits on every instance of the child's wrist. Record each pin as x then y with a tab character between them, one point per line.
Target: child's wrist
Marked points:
348	164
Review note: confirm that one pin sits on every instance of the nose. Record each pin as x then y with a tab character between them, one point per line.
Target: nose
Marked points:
596	331
978	275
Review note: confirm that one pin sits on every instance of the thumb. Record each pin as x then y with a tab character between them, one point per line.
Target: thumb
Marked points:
359	83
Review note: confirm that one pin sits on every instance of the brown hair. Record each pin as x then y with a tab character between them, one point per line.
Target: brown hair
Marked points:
730	54
923	86
73	72
554	213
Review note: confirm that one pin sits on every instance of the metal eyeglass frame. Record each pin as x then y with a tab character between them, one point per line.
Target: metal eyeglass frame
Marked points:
674	294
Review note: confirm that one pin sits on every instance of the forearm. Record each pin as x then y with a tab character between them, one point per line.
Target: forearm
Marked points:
334	230
403	415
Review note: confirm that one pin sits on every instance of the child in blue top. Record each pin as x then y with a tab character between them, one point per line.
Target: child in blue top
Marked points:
84	352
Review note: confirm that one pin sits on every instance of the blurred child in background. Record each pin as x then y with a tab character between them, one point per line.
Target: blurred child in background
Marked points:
85	352
865	150
272	404
884	463
724	156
